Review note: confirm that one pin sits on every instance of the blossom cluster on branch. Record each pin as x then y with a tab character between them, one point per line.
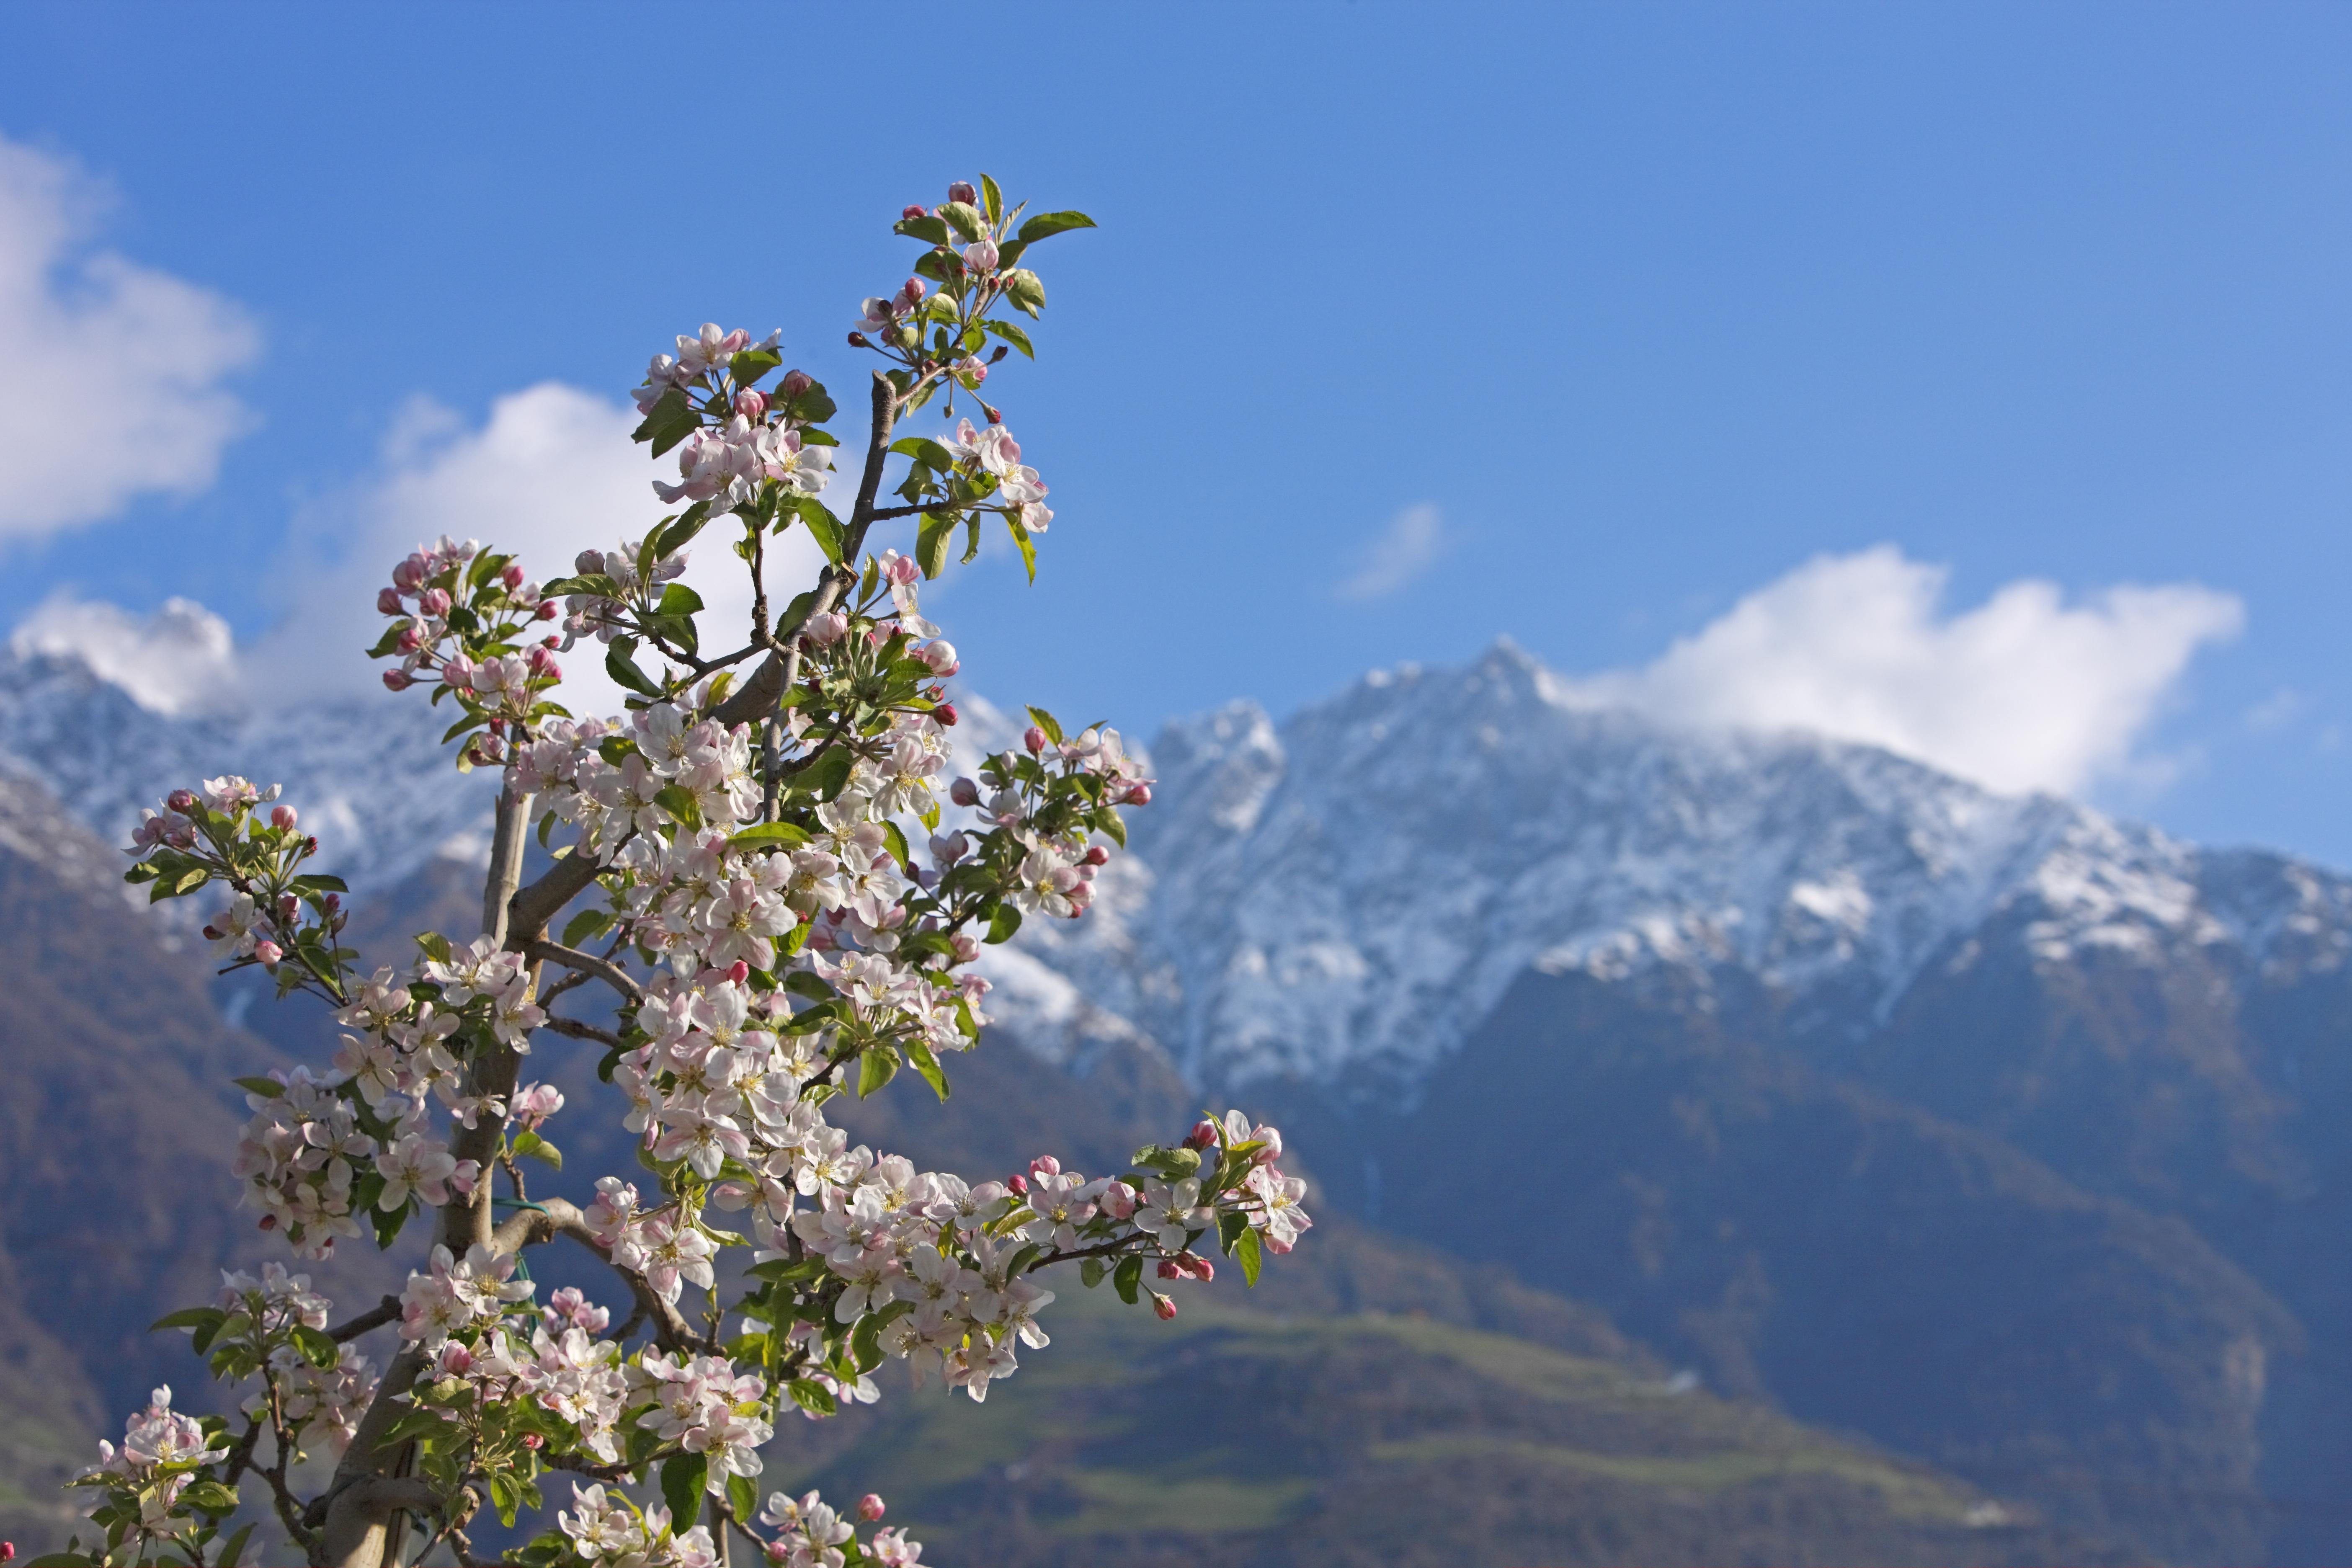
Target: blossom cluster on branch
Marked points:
771	863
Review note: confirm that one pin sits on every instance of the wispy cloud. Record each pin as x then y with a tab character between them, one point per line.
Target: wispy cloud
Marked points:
2023	692
1413	541
164	345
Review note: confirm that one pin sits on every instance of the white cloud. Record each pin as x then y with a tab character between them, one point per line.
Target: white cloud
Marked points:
179	659
1411	544
552	472
158	346
2023	692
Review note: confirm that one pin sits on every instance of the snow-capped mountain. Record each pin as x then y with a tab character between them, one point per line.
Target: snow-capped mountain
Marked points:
1354	889
368	774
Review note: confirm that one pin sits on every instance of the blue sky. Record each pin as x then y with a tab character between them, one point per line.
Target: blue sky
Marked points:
1405	327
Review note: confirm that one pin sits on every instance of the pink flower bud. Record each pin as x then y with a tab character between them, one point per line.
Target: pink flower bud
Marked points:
1140	794
1096	854
940	655
961	191
269	953
795	382
408	574
739	972
910	214
1163	1306
387	603
1168	1269
1202	1270
750	405
512	575
857	339
967	948
181	801
546	611
533	1440
269	1222
433	601
289	905
914	290
963	792
995	416
946	714
281	815
1045	1166
1204	1133
869	1506
1119	1200
828	629
398	680
8	1550
1033	738
1018	1186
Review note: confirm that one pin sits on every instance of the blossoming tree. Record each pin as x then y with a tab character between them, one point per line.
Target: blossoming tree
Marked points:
756	861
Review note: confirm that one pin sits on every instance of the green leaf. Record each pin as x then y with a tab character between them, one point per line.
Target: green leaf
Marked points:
813	1396
1047	723
319	885
876	1067
928	1065
189	1318
829	774
893	838
750	365
1230	1225
670	420
532	1146
1045	224
1021	538
586	925
813	406
210	1496
1002	923
933	536
268	1087
768	833
796	614
823	526
744	1497
623	668
926	228
964	218
670	540
682	1479
317	1348
679	802
677	599
1091	1271
992	200
1011	334
506	1496
389	643
1127	1275
233	1549
1024	291
472	721
1246	1249
924	450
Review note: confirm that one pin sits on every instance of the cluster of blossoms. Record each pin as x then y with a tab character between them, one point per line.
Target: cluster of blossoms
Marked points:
755	436
777	872
151	1486
464	616
322	1401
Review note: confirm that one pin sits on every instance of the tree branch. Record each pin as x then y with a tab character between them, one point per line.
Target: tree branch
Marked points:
557	1217
612	974
384	1312
579	1031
